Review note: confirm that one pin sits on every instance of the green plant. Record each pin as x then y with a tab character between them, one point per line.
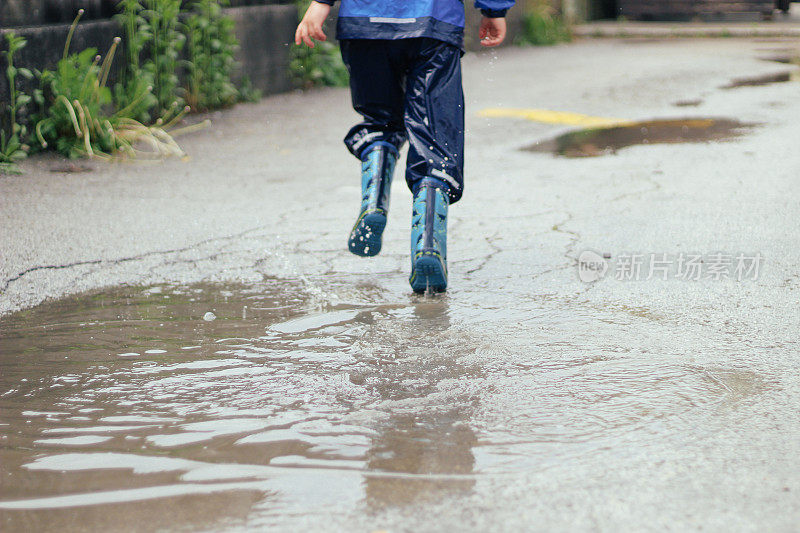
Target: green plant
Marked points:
542	26
159	28
79	117
12	146
212	44
135	85
247	92
321	65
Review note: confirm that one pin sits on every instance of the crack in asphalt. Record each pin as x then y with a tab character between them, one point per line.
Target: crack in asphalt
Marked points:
569	251
488	257
128	259
574	236
484	260
301	246
656	186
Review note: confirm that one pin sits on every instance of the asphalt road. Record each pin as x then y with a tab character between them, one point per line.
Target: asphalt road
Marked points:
662	396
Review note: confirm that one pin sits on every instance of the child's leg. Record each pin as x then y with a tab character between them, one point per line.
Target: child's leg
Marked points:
434	117
376	88
376	74
434	121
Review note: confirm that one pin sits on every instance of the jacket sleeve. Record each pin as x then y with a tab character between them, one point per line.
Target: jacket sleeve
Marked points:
494	8
329	2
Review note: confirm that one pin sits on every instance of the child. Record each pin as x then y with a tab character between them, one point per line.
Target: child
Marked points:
404	58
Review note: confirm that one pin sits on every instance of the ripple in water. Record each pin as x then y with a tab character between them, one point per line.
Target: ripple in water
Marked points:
115	403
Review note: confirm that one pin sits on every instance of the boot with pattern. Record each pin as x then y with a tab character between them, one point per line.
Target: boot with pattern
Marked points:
377	166
429	237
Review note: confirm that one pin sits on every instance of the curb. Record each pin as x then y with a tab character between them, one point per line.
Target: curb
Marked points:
669	31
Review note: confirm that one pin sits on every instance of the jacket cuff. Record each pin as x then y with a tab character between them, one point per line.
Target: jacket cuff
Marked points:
492	13
329	2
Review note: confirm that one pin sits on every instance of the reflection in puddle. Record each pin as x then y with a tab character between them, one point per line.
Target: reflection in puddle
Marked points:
289	405
600	141
422	444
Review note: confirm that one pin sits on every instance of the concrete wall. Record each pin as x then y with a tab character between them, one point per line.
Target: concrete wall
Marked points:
262	30
690	9
577	11
263	33
16	13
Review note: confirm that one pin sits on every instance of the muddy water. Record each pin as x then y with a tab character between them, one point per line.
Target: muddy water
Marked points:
219	407
595	142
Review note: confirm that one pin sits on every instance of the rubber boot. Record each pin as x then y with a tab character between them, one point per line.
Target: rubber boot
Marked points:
429	237
377	166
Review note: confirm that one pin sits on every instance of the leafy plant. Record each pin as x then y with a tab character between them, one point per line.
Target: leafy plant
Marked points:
135	85
80	120
212	44
247	92
12	146
160	31
79	115
542	26
318	66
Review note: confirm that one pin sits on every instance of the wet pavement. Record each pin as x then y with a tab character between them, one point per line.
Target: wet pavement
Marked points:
209	357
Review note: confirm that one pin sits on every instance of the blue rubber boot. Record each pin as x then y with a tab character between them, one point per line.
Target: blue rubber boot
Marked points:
429	237
377	167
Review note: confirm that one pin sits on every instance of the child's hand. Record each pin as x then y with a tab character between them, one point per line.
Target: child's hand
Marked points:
492	31
311	25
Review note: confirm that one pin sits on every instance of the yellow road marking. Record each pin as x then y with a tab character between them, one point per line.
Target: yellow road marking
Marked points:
553	117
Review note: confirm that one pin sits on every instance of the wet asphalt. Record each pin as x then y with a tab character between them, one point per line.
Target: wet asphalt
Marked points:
617	350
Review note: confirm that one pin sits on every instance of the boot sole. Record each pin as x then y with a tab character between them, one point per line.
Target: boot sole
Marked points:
428	273
366	237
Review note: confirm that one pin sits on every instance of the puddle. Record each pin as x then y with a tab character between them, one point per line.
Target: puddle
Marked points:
299	401
601	141
784	56
687	103
642	40
784	60
766	79
71	168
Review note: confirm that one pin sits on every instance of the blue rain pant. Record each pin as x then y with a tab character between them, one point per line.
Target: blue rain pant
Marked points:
410	89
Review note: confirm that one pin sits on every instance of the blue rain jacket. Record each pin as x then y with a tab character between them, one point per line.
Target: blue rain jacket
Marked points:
404	19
